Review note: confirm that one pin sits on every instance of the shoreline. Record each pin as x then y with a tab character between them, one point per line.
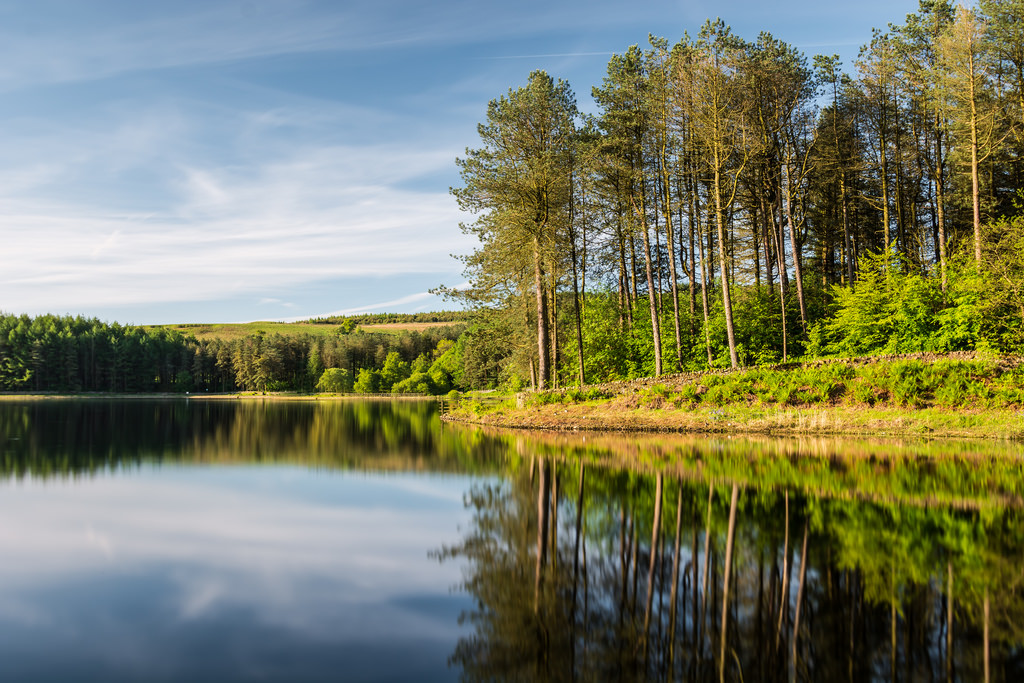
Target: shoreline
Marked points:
963	395
211	397
996	425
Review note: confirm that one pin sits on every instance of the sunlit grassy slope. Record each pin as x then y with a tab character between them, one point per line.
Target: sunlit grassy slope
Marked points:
231	331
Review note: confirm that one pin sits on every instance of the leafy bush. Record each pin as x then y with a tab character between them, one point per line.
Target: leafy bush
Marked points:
417	383
367	382
895	308
865	392
334	381
544	398
688	394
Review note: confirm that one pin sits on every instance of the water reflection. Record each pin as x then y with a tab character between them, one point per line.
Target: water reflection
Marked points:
719	563
224	541
73	437
220	540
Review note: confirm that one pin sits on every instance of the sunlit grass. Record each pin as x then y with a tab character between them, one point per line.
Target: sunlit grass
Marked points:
947	397
233	331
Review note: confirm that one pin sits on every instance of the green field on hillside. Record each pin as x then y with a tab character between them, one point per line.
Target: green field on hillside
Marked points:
392	323
231	331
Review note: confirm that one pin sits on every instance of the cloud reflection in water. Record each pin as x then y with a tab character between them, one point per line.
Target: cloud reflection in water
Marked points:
229	573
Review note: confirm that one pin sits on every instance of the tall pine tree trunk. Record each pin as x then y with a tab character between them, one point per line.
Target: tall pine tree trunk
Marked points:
726	297
543	369
652	293
797	267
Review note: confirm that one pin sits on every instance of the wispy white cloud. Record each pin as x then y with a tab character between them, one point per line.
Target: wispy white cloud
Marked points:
76	46
83	42
254	236
383	305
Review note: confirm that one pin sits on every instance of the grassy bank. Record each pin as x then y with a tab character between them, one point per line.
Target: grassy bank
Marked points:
963	395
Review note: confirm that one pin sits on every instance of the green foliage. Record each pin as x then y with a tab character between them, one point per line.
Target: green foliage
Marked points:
545	398
314	366
907	383
394	371
1001	314
611	354
758	320
895	309
71	354
417	383
654	396
367	382
66	354
447	368
576	395
486	351
612	206
421	364
334	381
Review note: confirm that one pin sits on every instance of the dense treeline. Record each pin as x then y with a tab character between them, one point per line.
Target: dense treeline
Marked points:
68	438
75	354
732	203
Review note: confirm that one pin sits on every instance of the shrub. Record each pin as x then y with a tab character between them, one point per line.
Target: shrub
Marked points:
865	392
367	382
334	381
417	383
689	394
543	398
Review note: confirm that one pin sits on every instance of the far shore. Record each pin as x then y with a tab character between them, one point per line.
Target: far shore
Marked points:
204	396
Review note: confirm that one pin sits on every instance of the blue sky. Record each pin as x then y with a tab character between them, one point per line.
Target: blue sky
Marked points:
221	161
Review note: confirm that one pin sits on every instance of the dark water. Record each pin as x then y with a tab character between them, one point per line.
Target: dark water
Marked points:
365	541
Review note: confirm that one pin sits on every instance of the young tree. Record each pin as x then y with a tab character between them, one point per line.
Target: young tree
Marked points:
719	130
334	381
626	123
519	183
962	81
918	40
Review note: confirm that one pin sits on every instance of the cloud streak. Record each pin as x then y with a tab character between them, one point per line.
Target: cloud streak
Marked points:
237	243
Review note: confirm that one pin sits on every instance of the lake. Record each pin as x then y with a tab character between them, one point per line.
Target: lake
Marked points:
223	540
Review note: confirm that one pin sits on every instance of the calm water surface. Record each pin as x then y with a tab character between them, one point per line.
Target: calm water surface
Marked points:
365	541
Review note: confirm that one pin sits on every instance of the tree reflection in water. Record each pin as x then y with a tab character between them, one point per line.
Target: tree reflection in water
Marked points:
578	575
654	558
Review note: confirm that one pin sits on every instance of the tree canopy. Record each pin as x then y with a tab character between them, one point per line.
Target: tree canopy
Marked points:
731	202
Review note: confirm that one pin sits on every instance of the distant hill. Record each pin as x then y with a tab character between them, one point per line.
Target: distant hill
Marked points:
395	318
370	322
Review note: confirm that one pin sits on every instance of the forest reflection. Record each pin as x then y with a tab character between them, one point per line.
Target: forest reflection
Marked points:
73	437
625	557
692	569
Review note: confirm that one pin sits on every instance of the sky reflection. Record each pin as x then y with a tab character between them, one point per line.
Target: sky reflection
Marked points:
229	573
